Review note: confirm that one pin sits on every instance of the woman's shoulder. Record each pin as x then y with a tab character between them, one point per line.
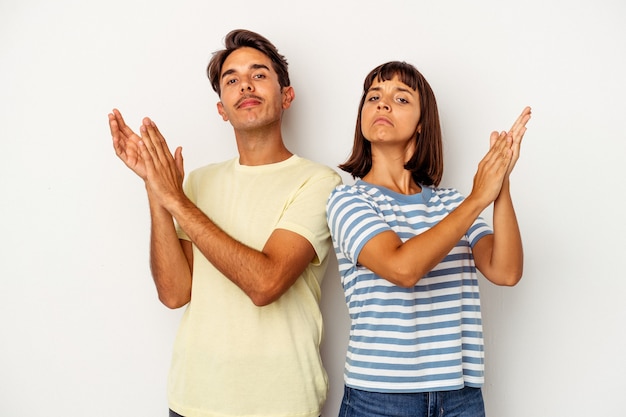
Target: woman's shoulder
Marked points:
359	188
445	191
446	195
345	193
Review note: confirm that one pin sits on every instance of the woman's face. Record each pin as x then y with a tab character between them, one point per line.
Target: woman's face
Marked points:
390	113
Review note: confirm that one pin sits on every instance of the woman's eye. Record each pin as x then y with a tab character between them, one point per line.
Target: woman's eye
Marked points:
372	98
402	100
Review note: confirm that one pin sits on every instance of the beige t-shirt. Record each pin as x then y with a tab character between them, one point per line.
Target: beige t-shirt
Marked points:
232	358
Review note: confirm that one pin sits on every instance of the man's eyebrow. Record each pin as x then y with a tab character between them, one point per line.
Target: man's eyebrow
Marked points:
252	66
259	66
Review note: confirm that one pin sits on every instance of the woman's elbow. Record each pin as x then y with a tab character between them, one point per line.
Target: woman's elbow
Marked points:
508	278
514	279
403	277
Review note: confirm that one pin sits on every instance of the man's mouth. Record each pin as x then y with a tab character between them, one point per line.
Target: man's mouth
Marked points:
248	101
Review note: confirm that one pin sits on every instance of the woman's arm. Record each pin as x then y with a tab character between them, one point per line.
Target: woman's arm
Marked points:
406	263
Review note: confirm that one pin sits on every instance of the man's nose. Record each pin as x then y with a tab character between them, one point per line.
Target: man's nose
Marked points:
246	85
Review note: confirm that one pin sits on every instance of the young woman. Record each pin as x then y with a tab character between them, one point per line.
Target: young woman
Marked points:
408	253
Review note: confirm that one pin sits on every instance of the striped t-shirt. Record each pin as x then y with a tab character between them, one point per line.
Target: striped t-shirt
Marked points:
425	338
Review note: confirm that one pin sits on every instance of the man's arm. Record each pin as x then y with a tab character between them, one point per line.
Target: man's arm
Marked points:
170	259
263	275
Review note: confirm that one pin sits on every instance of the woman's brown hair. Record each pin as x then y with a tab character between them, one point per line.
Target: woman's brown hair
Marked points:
426	164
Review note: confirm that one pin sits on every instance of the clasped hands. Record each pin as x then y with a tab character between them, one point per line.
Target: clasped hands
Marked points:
148	156
495	168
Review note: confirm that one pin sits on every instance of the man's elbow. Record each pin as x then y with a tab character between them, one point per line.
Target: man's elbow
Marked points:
264	298
262	301
172	301
267	291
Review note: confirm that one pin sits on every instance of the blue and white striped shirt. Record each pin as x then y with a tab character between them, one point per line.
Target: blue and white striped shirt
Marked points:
424	338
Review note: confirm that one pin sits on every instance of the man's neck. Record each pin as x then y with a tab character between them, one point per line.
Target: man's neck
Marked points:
261	147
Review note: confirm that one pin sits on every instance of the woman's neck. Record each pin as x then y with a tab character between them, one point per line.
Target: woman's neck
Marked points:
399	182
388	170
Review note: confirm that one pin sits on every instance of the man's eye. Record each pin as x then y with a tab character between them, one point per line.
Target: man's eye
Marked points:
231	81
261	76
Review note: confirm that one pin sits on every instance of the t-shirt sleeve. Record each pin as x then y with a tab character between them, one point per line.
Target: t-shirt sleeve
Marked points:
478	230
306	214
352	221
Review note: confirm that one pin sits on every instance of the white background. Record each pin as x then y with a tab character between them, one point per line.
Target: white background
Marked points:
81	330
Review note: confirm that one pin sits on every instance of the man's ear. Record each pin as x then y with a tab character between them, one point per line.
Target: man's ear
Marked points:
220	110
288	96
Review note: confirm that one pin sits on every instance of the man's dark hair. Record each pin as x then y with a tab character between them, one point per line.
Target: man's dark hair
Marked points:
240	38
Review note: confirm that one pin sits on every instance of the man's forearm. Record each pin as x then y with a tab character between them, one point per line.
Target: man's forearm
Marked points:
262	274
170	267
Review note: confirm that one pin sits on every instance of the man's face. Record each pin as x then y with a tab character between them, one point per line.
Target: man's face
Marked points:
251	95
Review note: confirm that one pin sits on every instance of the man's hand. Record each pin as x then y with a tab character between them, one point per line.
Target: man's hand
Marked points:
164	171
126	144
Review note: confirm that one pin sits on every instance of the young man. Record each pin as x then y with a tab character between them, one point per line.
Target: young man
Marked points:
244	244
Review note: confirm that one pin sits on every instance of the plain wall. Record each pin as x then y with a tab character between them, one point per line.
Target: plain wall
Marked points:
81	330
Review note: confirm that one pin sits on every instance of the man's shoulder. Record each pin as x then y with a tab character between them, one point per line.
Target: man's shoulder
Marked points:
213	166
305	162
315	168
